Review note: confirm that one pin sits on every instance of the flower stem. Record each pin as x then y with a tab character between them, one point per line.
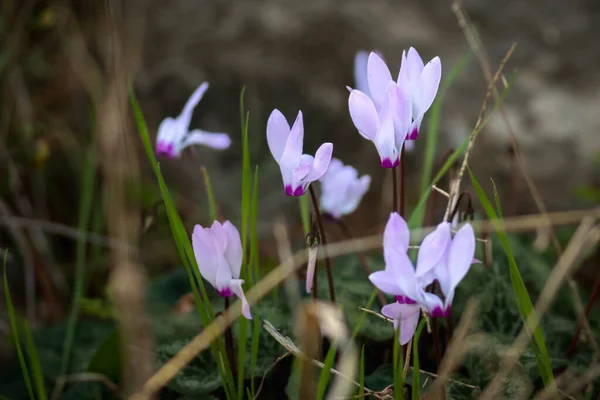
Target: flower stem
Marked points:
315	202
395	191
586	313
402	173
361	258
229	343
205	181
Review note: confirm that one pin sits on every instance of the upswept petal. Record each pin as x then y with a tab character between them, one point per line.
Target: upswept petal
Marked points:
205	253
414	65
233	252
360	71
299	174
321	162
415	127
387	282
432	251
219	237
165	130
402	110
236	288
407	315
223	283
460	256
186	115
396	233
219	141
335	165
363	114
293	147
378	75
430	82
278	131
385	139
399	266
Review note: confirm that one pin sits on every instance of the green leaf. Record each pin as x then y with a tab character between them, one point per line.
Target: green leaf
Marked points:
106	359
254	253
361	373
15	332
210	194
326	371
520	291
244	117
241	356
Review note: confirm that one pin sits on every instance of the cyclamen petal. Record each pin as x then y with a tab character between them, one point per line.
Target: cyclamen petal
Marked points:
405	314
297	170
341	189
378	75
173	133
363	114
218	252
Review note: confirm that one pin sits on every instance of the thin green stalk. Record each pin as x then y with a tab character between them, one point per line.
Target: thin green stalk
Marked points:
416	383
244	118
241	356
15	332
34	362
85	207
254	351
304	213
326	371
398	366
254	256
362	317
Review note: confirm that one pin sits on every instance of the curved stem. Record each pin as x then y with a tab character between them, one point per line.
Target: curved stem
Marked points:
315	202
395	190
402	173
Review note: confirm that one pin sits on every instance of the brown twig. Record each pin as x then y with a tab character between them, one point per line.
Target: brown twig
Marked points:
315	202
586	313
402	175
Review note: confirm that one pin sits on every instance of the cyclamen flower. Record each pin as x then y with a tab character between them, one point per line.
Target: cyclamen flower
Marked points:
422	82
218	251
440	258
342	189
173	135
297	170
384	123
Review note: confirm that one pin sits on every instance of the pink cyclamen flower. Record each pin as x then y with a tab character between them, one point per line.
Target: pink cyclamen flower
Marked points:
297	170
174	136
440	258
422	82
218	251
342	189
385	124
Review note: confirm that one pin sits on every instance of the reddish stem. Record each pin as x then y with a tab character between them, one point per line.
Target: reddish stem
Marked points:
315	202
586	313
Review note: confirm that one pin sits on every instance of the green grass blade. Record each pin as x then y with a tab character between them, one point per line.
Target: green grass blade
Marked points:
241	357
254	256
15	332
85	211
186	253
398	366
520	290
364	314
497	200
361	376
304	213
254	351
326	371
416	383
210	194
433	122
34	362
244	118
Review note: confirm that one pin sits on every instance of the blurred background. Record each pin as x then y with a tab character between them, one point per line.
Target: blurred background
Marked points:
65	67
